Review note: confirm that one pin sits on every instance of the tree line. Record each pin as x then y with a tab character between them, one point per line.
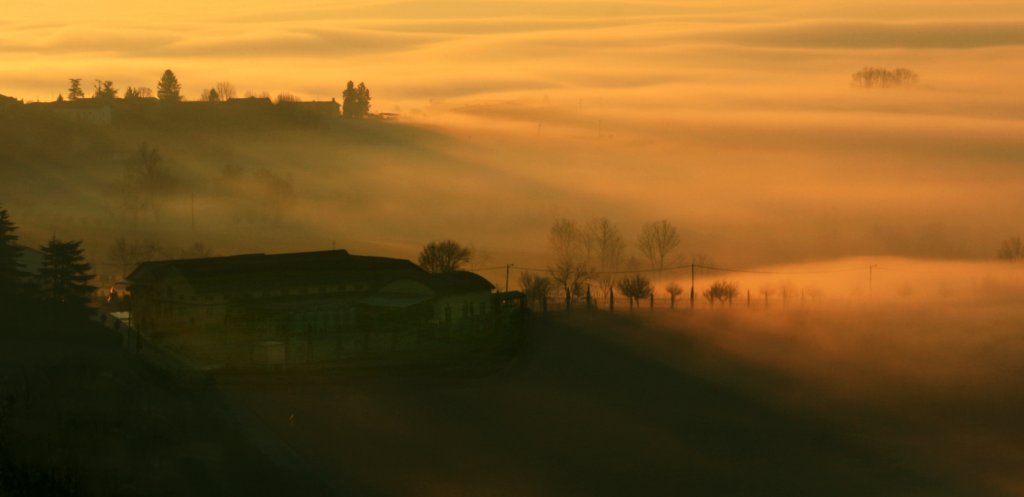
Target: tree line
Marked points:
62	279
355	98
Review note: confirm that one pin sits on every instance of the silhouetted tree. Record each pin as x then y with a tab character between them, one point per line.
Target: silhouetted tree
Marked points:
75	90
355	100
1011	249
657	241
197	250
635	287
210	95
64	276
606	249
536	287
876	77
673	290
571	270
722	291
443	257
12	274
104	90
168	89
129	94
225	90
129	254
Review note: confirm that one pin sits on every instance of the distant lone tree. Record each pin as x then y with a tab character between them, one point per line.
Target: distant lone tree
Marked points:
1011	249
876	77
210	95
443	257
64	276
722	291
657	241
12	274
225	90
606	248
635	287
75	90
572	269
168	89
104	90
355	100
674	290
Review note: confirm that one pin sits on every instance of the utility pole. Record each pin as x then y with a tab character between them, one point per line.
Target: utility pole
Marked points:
193	213
507	268
691	284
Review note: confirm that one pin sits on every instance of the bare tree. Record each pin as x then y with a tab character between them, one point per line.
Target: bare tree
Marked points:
226	90
443	257
657	241
571	270
129	254
674	290
606	248
1011	249
536	287
197	250
635	287
721	291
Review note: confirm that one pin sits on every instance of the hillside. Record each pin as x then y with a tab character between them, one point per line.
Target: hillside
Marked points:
81	417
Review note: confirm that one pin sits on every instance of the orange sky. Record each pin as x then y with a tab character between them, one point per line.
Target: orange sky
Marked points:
735	120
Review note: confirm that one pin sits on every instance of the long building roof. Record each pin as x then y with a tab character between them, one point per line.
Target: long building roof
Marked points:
254	272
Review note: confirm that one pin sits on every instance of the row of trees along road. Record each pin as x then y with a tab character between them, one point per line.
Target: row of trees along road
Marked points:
595	253
355	98
63	278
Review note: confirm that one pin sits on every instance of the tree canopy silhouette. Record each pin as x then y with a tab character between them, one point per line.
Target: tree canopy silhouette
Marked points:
657	241
12	274
104	90
75	90
355	100
443	257
876	77
64	276
721	291
168	89
635	287
1011	249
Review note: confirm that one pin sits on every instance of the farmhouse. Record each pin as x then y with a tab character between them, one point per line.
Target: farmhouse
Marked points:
304	307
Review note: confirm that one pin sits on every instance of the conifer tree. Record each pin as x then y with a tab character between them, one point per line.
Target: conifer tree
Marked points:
12	274
65	274
75	92
168	89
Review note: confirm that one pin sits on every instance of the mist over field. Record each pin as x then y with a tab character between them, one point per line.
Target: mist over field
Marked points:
737	122
846	171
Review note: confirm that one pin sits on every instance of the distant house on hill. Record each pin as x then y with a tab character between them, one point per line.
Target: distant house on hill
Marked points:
83	110
251	102
304	307
316	108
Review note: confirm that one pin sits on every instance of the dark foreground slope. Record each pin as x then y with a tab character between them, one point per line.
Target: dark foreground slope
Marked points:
79	416
594	406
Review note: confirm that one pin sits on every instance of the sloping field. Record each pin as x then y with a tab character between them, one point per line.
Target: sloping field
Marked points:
858	402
